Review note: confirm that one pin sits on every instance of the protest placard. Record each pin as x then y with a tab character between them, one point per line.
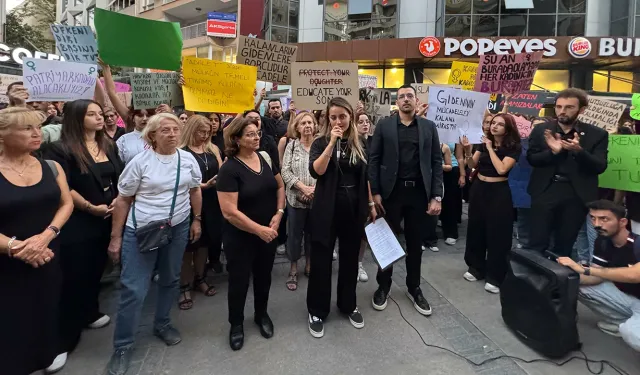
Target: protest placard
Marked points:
603	113
463	74
216	86
272	59
5	81
635	104
314	84
524	126
377	103
133	41
367	81
623	164
422	90
76	43
495	105
526	103
508	74
51	80
457	113
120	87
152	89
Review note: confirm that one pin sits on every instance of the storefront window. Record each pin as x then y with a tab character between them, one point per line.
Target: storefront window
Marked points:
613	81
339	25
513	25
378	73
570	25
552	80
436	76
393	78
457	26
281	20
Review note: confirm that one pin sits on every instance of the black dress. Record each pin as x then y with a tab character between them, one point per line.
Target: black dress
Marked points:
30	296
211	237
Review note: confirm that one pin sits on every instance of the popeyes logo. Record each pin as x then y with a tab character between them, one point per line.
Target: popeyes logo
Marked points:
579	47
429	46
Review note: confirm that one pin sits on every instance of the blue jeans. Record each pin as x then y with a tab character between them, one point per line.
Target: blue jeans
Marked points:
584	243
137	269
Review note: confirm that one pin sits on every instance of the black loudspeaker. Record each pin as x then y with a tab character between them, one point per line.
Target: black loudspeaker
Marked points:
539	299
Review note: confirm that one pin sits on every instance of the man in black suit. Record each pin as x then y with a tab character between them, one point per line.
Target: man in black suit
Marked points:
405	172
567	156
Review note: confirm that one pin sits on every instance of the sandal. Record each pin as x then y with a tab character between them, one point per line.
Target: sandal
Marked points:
209	291
186	303
292	282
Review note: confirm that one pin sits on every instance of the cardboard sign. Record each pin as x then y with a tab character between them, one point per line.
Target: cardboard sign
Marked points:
120	87
422	90
152	89
377	103
367	81
5	81
314	84
635	103
76	43
508	74
272	59
463	74
623	167
216	86
603	113
526	103
51	81
457	113
524	126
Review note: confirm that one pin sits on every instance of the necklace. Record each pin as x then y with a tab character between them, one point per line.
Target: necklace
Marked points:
172	157
21	174
205	160
343	150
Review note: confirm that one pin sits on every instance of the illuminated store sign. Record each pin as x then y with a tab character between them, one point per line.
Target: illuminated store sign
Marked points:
16	55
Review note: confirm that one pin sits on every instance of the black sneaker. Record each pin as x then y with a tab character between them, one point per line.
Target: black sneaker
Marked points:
316	327
356	319
419	302
380	298
119	362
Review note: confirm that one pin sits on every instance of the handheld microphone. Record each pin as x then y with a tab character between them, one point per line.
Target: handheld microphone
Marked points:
339	147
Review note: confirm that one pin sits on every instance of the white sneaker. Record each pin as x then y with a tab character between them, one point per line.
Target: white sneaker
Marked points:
519	246
362	274
58	364
609	328
335	255
434	249
280	250
469	277
101	322
491	288
450	241
423	248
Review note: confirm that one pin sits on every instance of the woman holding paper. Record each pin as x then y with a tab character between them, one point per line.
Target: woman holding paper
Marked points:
341	204
490	206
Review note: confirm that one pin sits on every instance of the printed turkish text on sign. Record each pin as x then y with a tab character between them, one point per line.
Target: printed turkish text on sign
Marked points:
508	74
152	89
603	113
314	84
76	43
272	59
49	80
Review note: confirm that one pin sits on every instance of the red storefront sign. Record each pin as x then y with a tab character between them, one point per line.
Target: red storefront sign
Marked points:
221	29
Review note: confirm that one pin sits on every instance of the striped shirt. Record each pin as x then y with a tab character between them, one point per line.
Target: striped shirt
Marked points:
295	167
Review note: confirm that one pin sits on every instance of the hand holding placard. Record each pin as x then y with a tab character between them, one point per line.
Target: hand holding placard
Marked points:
623	169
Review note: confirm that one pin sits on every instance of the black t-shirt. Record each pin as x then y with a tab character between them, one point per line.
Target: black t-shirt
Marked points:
605	254
485	166
408	143
257	192
349	174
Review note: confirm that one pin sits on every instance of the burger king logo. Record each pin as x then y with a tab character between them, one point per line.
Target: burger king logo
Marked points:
579	47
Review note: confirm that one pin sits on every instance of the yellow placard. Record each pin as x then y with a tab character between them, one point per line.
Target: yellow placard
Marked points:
216	86
463	74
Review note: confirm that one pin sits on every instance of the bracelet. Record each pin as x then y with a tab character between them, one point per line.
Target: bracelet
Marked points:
9	246
281	210
54	229
87	205
197	217
371	204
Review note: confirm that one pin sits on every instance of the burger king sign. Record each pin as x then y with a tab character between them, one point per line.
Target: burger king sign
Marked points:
579	47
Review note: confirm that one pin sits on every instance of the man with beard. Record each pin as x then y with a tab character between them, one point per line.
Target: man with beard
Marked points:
566	156
611	285
278	124
405	173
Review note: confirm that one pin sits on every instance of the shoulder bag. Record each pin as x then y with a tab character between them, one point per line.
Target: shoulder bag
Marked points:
157	233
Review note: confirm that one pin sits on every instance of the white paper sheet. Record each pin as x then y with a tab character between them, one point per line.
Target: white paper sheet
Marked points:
384	244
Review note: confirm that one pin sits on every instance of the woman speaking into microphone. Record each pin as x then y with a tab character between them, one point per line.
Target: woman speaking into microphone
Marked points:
342	202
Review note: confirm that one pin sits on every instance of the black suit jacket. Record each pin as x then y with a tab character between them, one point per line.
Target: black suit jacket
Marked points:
83	226
584	166
384	157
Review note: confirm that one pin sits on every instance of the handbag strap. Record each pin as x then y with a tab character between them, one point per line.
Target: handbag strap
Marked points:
173	201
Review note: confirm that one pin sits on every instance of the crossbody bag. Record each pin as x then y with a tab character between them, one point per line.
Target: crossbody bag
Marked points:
157	233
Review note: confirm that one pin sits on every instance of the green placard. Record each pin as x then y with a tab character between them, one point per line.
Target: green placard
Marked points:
137	42
623	169
635	104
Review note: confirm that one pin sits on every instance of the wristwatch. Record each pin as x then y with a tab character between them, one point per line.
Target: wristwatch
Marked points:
281	210
438	199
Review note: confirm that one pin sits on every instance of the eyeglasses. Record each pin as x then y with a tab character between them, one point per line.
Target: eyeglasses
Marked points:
203	132
254	135
408	96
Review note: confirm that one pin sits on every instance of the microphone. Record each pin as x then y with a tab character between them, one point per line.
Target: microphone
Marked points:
339	147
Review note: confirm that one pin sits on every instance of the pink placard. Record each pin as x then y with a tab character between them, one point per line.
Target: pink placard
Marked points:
507	74
524	126
120	87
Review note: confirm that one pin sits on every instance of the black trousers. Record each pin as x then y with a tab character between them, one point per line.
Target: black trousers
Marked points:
319	288
451	204
82	266
489	230
282	229
557	213
408	203
247	256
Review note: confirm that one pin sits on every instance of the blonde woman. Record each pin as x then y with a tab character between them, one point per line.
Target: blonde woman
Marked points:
196	139
299	188
165	182
340	208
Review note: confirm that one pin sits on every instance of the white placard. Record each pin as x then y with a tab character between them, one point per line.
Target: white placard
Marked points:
5	81
457	113
384	245
49	80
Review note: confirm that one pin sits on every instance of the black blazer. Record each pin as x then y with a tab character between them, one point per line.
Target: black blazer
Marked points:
83	226
384	157
584	166
324	200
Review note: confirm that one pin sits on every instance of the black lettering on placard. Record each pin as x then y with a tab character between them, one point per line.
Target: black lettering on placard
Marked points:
149	90
272	59
76	43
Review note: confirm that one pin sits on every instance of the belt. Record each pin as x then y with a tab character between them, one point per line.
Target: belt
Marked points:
347	186
560	178
409	183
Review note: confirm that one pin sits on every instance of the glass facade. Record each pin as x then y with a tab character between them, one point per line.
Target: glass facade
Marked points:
487	18
339	25
625	18
281	20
